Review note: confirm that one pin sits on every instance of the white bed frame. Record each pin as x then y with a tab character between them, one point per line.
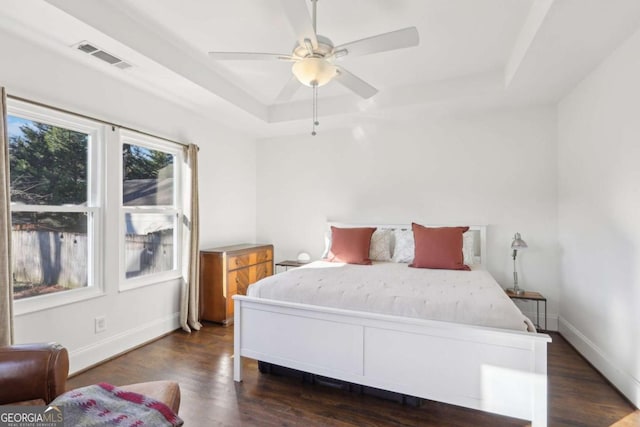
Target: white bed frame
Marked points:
494	370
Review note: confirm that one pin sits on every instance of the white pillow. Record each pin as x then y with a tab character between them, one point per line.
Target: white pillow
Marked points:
327	244
404	247
468	247
380	249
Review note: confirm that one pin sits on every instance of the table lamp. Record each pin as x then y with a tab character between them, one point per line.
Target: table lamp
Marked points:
517	245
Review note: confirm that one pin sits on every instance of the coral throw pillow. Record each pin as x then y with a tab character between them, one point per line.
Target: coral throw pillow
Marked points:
350	245
438	247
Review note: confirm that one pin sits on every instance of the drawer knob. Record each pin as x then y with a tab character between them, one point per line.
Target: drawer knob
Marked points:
237	281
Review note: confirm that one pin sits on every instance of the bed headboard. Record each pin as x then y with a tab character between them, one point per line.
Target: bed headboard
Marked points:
480	234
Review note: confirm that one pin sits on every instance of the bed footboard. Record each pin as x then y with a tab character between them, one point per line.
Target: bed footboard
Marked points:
494	370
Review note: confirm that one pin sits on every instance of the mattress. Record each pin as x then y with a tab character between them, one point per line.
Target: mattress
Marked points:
470	297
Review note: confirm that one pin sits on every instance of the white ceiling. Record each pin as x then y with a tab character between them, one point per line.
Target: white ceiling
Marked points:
472	53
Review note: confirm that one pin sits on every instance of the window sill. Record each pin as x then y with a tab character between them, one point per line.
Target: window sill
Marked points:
142	282
46	302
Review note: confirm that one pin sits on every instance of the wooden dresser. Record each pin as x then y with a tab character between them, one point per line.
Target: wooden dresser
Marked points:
227	271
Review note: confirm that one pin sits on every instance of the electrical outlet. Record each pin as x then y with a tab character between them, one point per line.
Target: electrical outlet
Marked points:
100	324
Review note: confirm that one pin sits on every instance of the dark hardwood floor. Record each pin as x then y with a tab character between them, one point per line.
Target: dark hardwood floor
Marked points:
202	363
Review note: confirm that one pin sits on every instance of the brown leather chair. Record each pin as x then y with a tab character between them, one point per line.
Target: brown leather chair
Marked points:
35	374
32	373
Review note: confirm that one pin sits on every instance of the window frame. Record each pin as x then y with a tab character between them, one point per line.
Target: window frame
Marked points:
93	209
176	209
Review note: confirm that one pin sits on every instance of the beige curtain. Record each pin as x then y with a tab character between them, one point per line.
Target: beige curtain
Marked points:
6	285
190	301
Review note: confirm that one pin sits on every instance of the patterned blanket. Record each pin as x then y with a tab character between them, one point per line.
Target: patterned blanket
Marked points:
105	405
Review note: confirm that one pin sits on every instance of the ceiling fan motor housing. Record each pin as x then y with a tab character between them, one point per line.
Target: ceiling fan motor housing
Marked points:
324	48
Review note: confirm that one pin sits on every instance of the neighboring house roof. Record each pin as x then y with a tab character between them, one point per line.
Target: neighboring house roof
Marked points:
148	192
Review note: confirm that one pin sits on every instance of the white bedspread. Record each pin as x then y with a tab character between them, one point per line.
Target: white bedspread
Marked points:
471	297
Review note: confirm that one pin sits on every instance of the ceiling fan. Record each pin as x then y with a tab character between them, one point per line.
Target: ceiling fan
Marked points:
314	56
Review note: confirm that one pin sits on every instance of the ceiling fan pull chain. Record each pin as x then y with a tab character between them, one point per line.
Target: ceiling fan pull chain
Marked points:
315	109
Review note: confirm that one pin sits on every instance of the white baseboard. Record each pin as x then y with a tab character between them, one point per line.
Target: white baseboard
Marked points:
85	357
623	381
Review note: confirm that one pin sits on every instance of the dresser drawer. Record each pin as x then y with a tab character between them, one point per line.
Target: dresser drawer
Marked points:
245	260
263	270
264	255
239	280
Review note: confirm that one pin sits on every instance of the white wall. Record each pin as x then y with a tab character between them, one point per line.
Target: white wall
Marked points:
599	217
496	168
227	195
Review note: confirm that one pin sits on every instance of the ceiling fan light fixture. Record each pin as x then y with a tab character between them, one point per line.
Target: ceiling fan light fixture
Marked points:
314	71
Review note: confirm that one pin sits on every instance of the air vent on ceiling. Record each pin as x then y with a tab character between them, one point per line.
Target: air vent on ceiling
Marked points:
123	65
97	52
87	48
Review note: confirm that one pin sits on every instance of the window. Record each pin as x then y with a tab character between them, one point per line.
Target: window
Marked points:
54	202
72	179
150	209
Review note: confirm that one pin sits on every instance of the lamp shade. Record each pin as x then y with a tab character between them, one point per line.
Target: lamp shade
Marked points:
518	243
313	71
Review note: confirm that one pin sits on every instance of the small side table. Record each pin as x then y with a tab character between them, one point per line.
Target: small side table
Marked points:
287	264
538	298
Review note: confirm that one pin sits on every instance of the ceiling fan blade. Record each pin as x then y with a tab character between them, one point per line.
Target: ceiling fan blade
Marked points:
251	56
288	90
298	16
354	83
407	37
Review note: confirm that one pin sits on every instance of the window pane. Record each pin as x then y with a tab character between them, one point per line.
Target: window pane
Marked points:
48	163
149	243
148	177
50	252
